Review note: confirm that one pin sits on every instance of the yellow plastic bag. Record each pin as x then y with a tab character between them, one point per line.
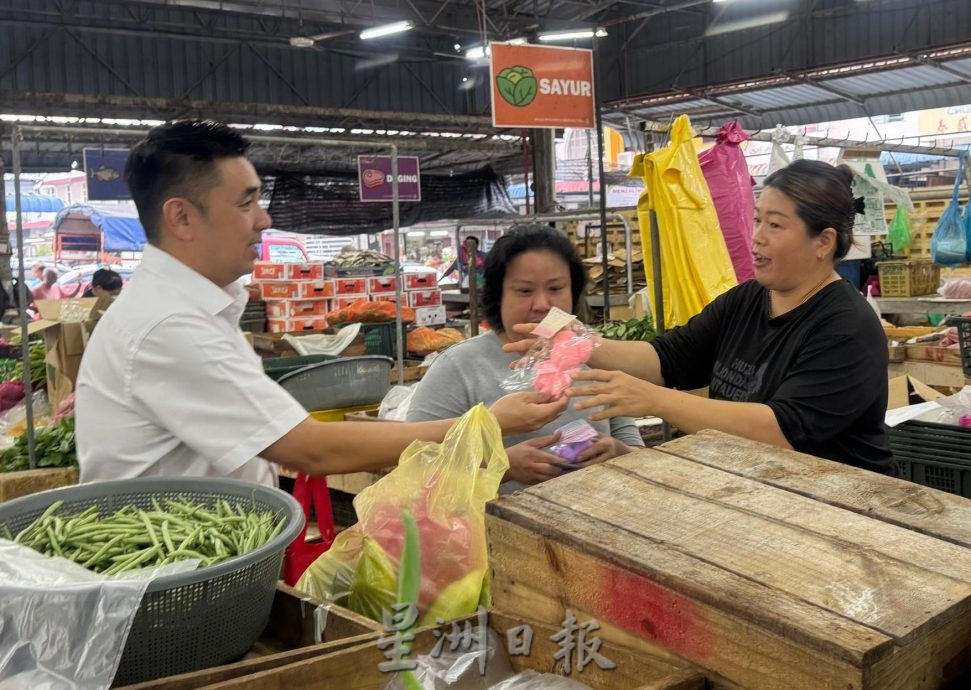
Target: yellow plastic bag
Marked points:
695	263
445	486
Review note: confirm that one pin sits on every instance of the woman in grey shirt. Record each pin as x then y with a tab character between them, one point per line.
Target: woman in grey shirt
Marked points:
529	270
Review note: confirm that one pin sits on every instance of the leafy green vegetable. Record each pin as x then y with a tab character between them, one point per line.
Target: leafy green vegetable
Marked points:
54	445
632	329
517	85
38	365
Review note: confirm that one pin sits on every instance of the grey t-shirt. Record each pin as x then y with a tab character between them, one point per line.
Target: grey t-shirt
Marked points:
471	372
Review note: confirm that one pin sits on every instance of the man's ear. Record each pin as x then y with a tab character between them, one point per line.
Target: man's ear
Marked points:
176	217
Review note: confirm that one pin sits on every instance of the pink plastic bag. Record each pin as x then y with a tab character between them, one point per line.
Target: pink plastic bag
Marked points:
730	185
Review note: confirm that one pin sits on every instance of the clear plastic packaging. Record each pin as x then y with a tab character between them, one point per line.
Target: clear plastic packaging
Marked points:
563	345
65	627
575	438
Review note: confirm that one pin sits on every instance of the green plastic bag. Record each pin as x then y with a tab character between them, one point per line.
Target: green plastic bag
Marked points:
898	234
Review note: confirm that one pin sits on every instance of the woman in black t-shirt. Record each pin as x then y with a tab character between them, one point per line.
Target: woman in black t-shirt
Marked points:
795	358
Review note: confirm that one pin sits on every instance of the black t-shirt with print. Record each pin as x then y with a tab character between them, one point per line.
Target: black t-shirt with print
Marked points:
821	367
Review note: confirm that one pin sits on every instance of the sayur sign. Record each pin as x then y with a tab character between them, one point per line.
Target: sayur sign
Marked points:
542	86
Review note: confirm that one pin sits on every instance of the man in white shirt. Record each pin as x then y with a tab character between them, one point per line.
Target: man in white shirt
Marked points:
168	385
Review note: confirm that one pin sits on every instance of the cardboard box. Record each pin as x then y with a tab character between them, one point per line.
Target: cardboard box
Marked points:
267	270
346	301
430	316
424	298
67	325
296	289
906	390
350	286
389	297
382	285
312	323
421	280
287	308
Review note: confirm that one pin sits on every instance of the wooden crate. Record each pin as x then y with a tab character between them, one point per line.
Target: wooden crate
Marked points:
299	628
357	668
930	352
769	569
17	484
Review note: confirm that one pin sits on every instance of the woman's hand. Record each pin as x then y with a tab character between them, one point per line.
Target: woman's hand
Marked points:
530	465
520	413
605	448
521	347
622	395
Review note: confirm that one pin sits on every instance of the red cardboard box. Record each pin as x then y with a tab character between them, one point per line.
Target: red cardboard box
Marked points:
389	297
346	300
296	289
421	280
313	323
424	298
285	308
382	285
267	270
350	286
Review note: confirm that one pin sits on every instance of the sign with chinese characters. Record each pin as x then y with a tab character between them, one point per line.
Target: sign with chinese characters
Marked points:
374	177
105	170
573	640
541	86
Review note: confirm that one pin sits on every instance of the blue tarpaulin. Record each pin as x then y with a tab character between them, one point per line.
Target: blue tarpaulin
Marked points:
34	203
122	232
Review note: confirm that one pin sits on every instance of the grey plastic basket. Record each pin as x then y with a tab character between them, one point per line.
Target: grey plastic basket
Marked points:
198	619
346	382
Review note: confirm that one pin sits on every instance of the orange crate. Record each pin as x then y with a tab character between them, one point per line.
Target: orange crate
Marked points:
908	278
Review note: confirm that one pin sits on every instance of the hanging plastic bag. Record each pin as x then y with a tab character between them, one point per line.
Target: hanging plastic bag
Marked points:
301	553
898	234
65	626
563	345
445	486
949	243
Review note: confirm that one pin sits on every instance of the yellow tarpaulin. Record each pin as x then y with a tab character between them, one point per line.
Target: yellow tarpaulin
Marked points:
695	265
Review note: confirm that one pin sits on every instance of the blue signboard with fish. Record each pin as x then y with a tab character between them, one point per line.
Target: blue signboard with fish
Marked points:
105	169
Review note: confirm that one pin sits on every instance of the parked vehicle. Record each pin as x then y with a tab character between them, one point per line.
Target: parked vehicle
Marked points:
282	250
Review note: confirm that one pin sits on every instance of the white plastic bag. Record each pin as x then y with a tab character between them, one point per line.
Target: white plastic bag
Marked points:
63	627
395	404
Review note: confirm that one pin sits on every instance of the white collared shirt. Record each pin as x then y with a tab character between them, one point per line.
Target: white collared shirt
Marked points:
169	386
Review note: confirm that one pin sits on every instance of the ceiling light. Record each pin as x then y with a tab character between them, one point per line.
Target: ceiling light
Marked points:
386	30
415	233
746	24
572	35
464	79
438	233
478	52
458	47
301	42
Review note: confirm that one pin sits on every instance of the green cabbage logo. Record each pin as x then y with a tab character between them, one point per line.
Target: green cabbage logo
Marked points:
517	85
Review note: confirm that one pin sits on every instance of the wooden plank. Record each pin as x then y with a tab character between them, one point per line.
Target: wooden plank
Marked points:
859	585
357	668
17	484
931	373
739	631
948	356
858	536
896	501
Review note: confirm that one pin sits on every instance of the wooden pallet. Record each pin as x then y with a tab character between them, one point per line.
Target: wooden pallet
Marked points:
357	668
768	569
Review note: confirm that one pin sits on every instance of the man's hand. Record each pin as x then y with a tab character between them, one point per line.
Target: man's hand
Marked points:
622	395
530	465
520	413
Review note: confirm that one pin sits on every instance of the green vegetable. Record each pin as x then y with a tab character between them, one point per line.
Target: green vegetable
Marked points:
54	445
409	581
8	369
130	537
38	364
632	329
517	85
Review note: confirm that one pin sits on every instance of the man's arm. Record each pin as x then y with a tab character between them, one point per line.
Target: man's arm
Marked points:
340	447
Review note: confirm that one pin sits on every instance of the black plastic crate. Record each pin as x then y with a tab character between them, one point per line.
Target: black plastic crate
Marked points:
964	339
380	339
934	455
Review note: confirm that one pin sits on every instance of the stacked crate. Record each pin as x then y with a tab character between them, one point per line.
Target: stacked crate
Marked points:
424	296
296	294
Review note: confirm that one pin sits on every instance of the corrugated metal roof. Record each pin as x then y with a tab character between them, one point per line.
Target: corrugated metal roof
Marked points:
894	80
781	97
963	65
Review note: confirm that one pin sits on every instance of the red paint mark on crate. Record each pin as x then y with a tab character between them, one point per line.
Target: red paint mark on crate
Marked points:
652	612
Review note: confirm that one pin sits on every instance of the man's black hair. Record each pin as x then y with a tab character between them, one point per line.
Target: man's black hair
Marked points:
178	159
